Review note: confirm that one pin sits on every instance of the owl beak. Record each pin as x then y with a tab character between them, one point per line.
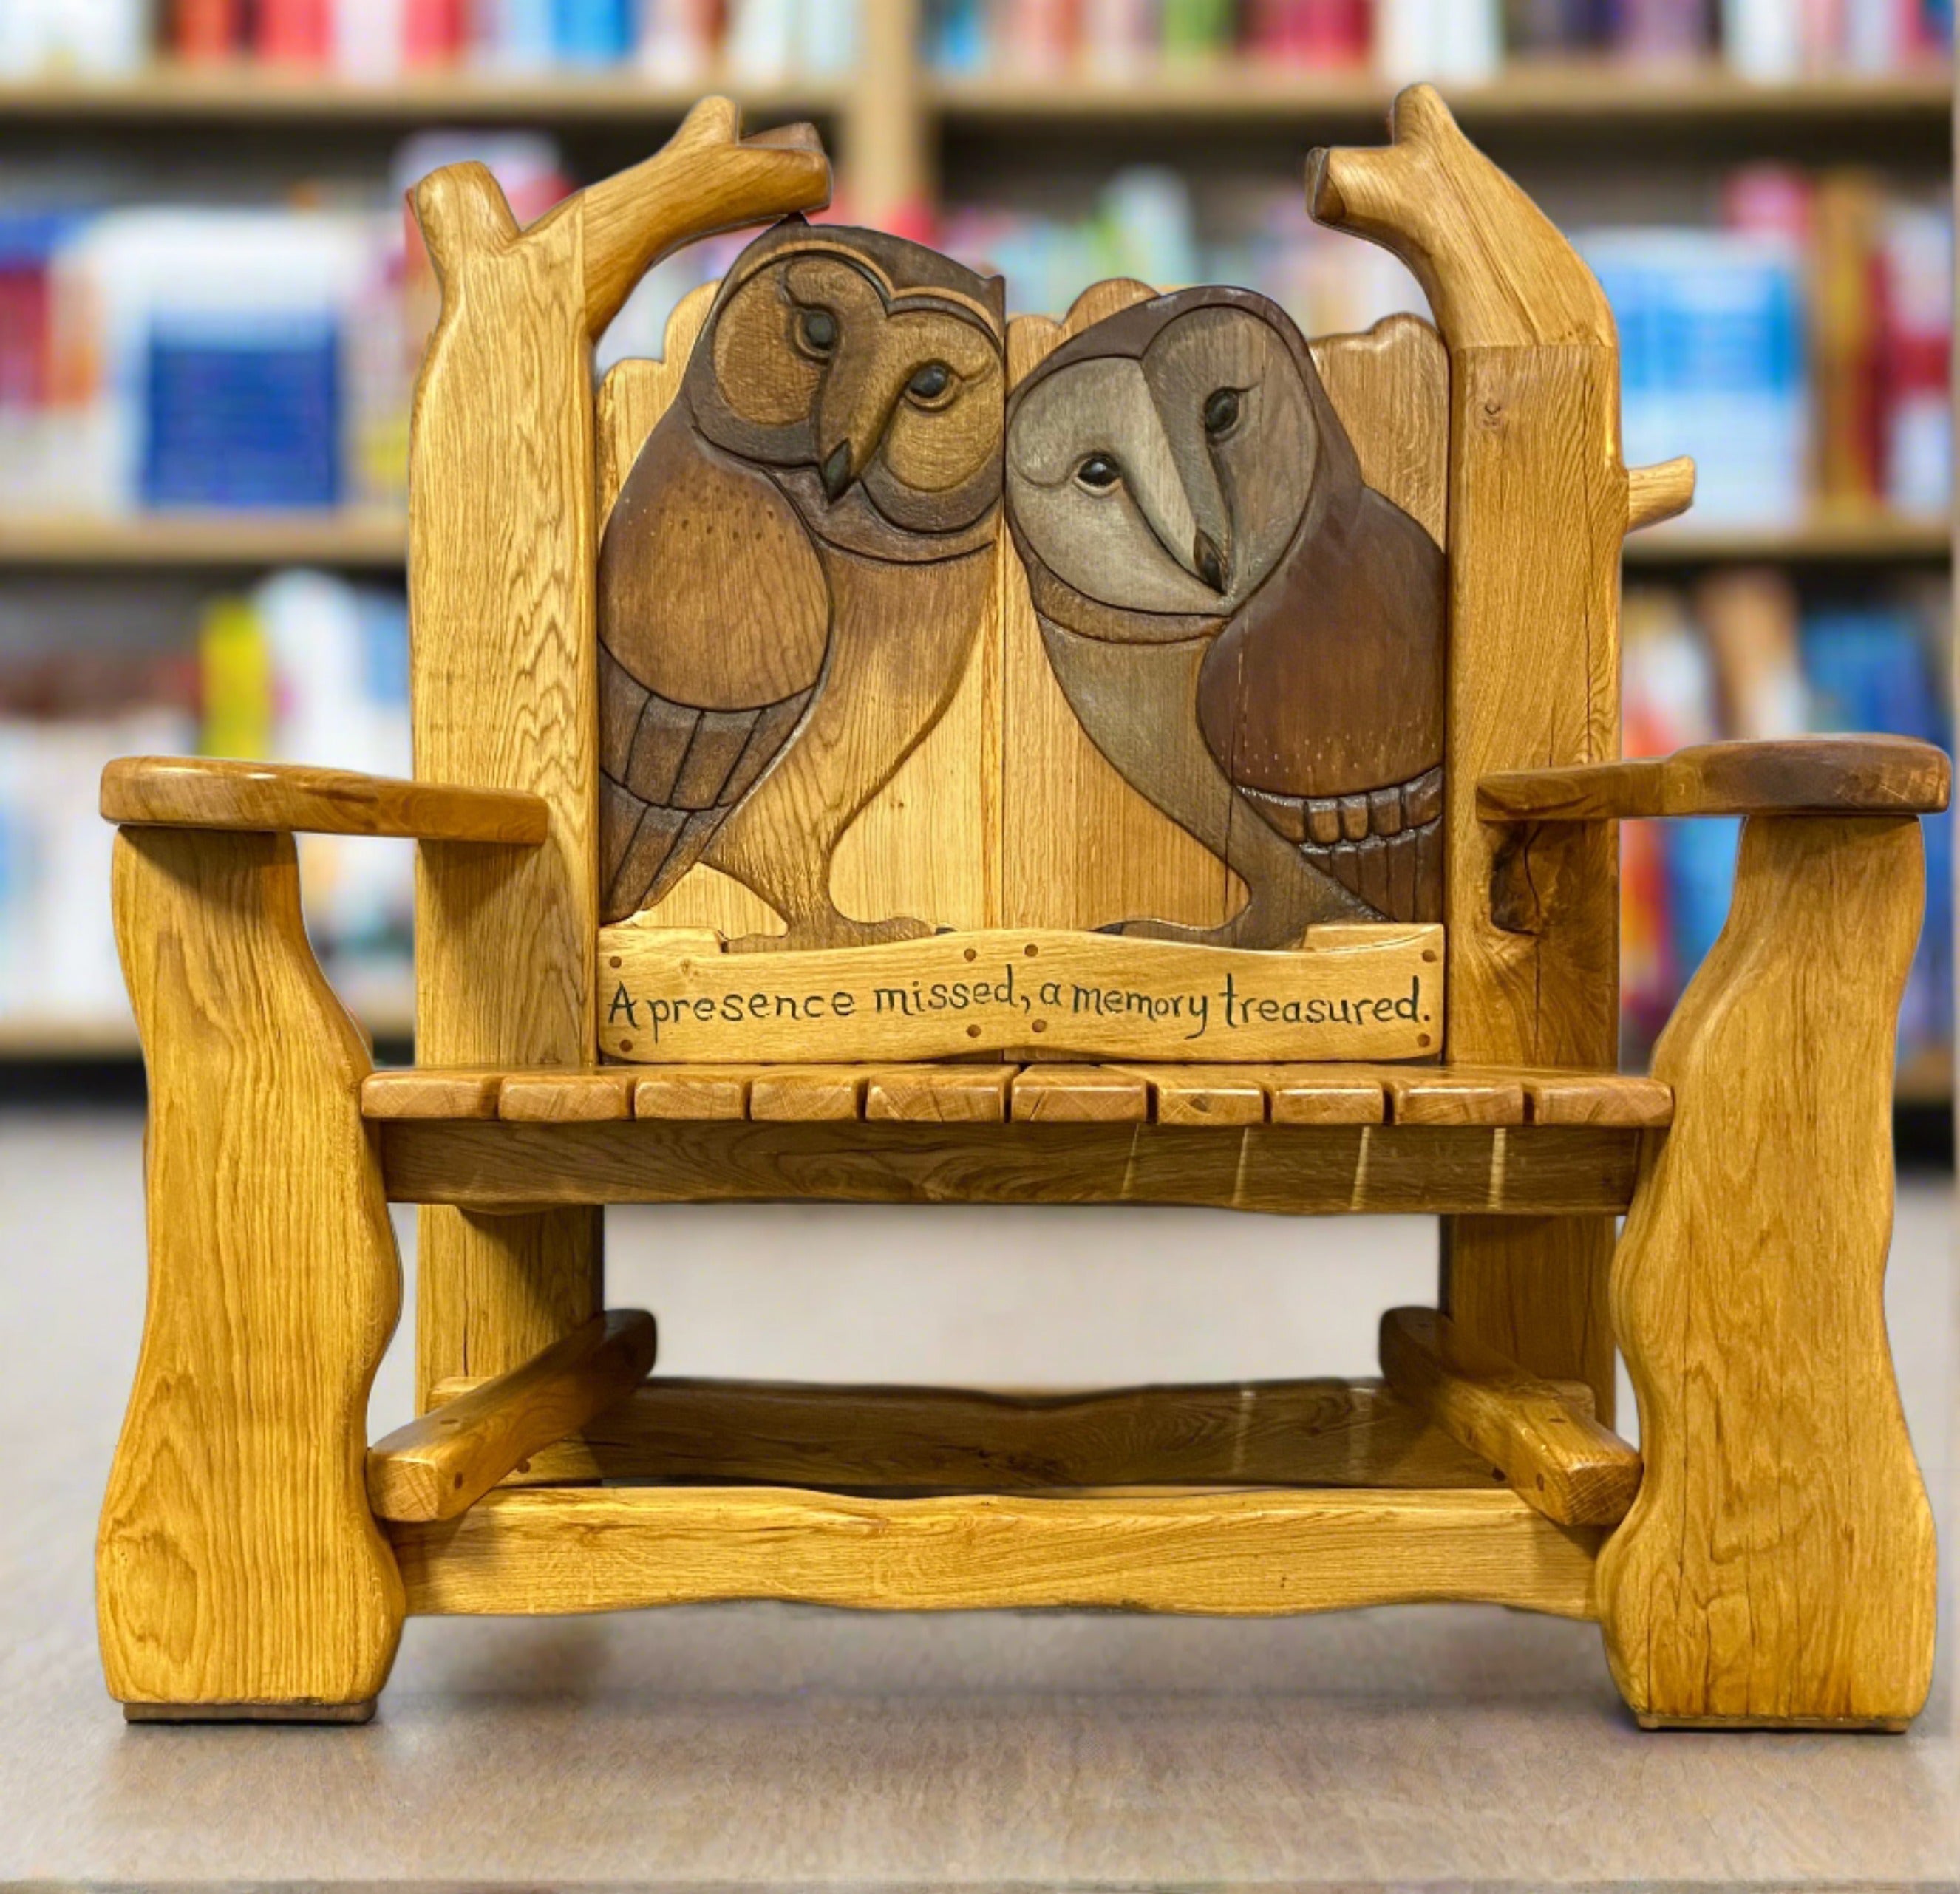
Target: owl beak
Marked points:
837	470
1209	563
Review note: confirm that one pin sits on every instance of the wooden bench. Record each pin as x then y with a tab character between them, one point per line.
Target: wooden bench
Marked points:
910	655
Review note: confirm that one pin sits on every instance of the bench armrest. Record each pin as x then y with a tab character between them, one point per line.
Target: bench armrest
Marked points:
1796	776
190	792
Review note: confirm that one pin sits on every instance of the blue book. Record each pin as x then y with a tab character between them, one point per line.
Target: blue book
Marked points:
592	32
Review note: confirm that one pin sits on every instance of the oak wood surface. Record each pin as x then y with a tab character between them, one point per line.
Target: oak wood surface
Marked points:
557	1549
1778	1566
1302	1433
440	1465
1663	492
1539	506
824	1152
912	849
938	1094
1555	1455
1057	1091
669	995
236	1562
195	792
1791	776
502	551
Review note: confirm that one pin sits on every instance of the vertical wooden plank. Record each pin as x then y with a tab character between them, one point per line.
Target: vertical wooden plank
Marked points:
1537	510
504	657
237	1564
1778	1566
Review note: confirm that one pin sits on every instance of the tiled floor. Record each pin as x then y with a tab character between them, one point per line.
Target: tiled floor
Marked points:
770	1746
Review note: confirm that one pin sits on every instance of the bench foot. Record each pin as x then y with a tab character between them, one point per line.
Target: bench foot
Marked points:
1882	1726
239	1571
1776	1569
361	1712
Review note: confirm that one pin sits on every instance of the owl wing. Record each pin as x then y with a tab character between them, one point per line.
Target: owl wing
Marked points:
713	624
1323	701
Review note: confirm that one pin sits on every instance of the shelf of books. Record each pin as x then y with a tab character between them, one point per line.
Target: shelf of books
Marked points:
208	348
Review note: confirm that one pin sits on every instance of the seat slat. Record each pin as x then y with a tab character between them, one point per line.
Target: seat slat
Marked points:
1079	1094
1216	1096
939	1094
579	1097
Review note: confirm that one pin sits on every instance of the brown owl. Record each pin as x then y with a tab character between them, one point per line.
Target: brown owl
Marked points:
1251	635
792	580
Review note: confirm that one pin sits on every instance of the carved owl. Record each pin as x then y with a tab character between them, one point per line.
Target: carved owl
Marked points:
793	576
1252	636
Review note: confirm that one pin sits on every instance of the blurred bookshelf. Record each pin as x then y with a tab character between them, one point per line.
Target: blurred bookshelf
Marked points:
999	146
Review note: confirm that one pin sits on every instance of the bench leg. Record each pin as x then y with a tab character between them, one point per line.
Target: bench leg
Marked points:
240	1574
1777	1567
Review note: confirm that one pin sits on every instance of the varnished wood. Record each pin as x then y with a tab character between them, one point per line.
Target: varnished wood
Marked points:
1663	492
503	544
1063	1093
805	1095
1200	595
1539	506
1778	1566
559	1550
418	1091
440	1465
815	1148
911	850
1390	386
341	1713
938	1094
891	1440
556	1098
795	571
692	1091
1223	1095
669	997
237	1567
1789	776
1205	1095
1555	1455
195	792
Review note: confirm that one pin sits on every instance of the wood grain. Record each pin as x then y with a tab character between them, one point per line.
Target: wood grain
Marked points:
692	1091
577	1096
1538	506
911	850
890	1440
503	650
194	792
1663	492
559	1550
236	1563
824	1153
419	1091
670	998
1778	1566
1788	776
1390	386
1063	1093
1555	1455
442	1464
938	1094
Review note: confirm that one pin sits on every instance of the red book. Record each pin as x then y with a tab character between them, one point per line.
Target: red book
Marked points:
432	32
204	31
292	32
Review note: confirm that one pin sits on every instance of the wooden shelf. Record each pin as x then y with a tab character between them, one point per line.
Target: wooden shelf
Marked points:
376	538
1527	94
1551	93
1873	538
260	93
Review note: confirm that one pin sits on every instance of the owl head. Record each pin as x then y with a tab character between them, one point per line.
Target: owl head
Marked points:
1161	462
866	374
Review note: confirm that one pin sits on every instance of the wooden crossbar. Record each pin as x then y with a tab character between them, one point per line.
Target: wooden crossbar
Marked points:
1321	1432
495	1166
552	1549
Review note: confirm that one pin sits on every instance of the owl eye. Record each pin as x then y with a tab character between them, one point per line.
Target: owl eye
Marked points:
930	385
1221	411
1099	473
815	331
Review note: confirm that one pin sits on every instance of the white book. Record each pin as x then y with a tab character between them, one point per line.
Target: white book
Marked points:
1763	39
